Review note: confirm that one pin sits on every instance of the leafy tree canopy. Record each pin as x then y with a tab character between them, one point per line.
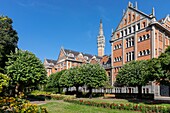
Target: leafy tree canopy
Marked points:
53	80
25	69
8	40
133	74
94	75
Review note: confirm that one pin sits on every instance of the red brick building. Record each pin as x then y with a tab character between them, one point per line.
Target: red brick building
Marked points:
138	36
68	58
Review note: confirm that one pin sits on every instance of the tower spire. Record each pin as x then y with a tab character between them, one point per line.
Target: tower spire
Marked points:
101	28
101	40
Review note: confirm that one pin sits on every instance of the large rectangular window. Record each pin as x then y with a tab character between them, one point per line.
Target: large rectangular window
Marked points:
130	56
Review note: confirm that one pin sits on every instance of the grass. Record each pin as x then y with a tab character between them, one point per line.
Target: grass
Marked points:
64	107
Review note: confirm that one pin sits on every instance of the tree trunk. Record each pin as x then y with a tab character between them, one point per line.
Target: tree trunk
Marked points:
139	92
90	92
59	90
77	91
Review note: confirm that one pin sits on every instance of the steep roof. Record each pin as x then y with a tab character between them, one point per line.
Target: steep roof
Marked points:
51	61
75	53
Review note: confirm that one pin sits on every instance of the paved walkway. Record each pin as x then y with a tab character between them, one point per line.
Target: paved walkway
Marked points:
44	102
162	98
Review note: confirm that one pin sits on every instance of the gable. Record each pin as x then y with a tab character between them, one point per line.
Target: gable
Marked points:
61	55
130	16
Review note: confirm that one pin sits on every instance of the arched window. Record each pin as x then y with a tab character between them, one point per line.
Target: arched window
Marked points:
144	24
129	17
140	38
144	52
147	36
144	37
133	17
141	53
125	21
148	51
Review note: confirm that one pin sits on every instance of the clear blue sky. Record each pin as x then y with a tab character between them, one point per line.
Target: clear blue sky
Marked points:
44	26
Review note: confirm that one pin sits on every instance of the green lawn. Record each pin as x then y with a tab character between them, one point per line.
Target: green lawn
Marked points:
64	107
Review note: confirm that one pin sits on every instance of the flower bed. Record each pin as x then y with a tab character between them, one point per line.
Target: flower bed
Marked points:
133	107
17	105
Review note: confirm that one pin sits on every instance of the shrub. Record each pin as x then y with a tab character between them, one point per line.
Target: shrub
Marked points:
17	105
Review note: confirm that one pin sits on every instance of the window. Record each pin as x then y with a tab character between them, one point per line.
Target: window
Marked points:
129	17
147	36
117	35
148	51
132	42
129	30
140	53
120	45
125	31
138	26
127	57
129	42
130	56
144	52
121	33
133	17
144	37
133	56
125	21
117	59
144	24
117	46
134	28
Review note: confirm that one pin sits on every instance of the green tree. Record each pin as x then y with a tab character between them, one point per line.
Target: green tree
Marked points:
165	64
65	80
8	40
134	73
154	69
76	77
94	76
4	80
53	80
25	70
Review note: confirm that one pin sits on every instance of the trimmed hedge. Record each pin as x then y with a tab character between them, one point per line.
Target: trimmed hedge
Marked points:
132	107
42	96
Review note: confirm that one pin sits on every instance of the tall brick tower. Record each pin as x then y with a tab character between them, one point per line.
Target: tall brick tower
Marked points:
100	40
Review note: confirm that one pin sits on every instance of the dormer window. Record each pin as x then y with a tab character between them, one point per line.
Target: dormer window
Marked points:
70	55
144	24
86	57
